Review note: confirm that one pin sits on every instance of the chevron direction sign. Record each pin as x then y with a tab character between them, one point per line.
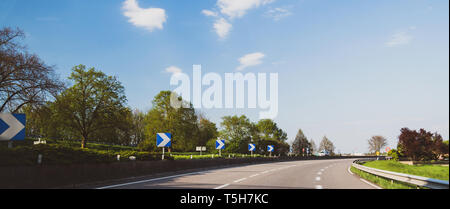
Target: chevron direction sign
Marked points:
220	144
251	147
163	140
12	127
270	148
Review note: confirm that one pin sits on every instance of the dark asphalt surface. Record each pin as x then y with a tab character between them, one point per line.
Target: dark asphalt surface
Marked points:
313	174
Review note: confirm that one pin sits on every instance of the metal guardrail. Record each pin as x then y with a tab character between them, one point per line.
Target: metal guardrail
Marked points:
406	178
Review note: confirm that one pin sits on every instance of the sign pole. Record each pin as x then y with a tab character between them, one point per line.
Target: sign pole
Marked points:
163	154
220	153
10	144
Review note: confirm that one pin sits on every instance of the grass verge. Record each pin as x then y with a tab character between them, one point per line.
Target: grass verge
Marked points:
382	182
430	171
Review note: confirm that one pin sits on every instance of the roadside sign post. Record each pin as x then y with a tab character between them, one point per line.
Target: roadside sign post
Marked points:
220	145
12	127
163	140
251	148
200	149
270	149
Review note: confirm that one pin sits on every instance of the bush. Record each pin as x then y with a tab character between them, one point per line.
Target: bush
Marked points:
421	145
394	154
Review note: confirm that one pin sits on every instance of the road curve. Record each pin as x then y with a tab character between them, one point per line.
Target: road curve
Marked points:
313	174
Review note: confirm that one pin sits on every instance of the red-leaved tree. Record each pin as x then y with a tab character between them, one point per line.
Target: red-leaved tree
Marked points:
421	145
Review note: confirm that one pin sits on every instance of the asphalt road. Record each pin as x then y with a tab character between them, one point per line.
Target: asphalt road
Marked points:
314	174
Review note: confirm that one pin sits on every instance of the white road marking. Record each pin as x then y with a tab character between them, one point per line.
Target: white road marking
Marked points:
254	175
319	187
373	185
318	178
220	187
265	172
351	173
239	180
320	173
150	180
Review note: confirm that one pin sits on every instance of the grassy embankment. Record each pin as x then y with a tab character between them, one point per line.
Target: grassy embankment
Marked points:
430	171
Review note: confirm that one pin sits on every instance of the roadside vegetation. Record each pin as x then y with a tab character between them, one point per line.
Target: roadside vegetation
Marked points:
382	182
91	106
422	148
58	152
430	171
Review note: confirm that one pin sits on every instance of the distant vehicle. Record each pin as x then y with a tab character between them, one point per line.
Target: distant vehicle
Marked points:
324	153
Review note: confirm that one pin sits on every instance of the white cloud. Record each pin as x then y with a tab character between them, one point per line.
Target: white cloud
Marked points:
174	70
238	8
399	38
209	13
250	60
278	13
149	18
222	27
230	9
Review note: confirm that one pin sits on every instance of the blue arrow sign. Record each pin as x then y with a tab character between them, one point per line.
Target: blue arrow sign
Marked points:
12	127
270	148
220	144
251	147
163	140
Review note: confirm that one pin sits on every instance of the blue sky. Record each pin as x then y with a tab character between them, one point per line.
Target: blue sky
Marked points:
347	69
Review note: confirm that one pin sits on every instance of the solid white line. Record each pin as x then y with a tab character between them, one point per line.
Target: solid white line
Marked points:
239	180
220	187
149	180
319	187
318	178
370	183
264	172
320	173
350	170
254	175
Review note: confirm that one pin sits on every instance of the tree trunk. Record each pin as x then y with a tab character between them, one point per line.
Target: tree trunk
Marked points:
83	142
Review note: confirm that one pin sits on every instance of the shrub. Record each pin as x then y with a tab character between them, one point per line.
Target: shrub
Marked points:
421	145
394	154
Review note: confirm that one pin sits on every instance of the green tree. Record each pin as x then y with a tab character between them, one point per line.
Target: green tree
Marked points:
238	132
95	103
138	127
207	131
180	122
268	129
280	147
300	143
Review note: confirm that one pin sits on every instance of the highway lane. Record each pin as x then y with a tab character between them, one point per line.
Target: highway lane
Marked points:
314	174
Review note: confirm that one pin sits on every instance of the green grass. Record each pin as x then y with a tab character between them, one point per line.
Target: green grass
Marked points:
382	182
430	171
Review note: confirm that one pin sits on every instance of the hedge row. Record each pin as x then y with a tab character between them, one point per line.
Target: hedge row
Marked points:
60	154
